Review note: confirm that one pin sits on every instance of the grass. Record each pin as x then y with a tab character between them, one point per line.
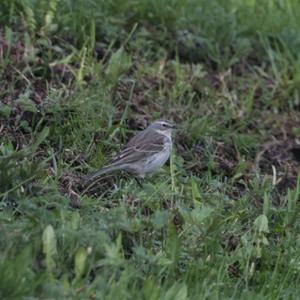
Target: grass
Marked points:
220	221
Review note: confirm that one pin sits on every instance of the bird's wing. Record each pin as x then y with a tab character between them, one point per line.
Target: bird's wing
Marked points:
141	146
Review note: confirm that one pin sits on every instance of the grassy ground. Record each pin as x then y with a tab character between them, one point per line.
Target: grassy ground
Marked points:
221	220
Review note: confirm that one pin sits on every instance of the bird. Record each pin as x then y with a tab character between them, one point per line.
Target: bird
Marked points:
145	152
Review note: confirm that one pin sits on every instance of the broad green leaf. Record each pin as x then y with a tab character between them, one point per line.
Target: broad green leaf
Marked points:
173	243
199	214
177	292
151	290
49	247
9	36
79	262
195	191
75	220
65	283
119	63
261	224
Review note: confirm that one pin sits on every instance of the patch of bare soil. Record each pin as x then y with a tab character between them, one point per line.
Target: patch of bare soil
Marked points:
136	94
280	159
225	156
75	186
25	71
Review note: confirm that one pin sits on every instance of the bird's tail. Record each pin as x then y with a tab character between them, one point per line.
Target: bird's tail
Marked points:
104	170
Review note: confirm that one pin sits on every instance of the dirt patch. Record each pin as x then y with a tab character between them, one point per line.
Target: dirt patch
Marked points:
75	186
221	156
280	157
136	94
277	159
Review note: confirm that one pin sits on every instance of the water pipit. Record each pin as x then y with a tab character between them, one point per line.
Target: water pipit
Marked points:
144	153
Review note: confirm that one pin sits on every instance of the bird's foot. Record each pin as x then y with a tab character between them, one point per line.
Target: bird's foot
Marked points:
139	181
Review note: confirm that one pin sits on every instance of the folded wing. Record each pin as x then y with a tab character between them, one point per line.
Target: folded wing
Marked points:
140	147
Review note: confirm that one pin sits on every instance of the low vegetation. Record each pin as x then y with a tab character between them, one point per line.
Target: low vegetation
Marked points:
220	221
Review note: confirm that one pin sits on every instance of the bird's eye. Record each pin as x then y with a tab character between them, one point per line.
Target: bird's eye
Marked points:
164	125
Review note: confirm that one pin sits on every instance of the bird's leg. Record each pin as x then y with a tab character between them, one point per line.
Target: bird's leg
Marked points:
139	181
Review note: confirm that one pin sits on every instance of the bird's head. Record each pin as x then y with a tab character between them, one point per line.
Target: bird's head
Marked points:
163	126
